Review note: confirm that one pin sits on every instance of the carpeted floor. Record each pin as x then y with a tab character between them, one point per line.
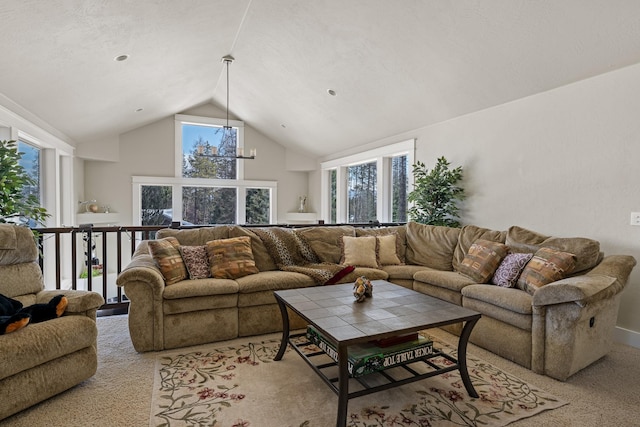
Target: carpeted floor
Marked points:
605	394
240	385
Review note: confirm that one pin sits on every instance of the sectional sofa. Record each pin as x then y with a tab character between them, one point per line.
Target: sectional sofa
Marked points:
553	309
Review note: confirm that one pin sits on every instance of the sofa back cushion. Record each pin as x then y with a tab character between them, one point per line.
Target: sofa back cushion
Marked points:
196	236
20	273
468	235
586	251
401	237
431	245
326	241
263	260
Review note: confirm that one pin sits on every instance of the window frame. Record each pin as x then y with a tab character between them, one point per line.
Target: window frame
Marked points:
184	119
382	156
176	184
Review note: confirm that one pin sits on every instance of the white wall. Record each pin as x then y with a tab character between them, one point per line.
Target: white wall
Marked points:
563	162
149	151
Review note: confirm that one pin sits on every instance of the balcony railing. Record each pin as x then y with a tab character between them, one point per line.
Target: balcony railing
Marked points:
90	258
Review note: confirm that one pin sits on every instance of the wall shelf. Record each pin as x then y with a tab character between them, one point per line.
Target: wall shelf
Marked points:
97	218
307	217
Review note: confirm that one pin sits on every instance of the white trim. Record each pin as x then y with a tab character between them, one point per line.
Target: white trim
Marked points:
199	120
626	336
32	131
400	148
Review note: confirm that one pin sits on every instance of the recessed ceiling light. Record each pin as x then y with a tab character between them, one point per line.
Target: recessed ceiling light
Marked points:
139	109
331	92
121	58
283	125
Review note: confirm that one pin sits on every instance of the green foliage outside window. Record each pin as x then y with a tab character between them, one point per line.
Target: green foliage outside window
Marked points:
16	205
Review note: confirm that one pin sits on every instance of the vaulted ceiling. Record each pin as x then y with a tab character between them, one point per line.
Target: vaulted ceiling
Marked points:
394	65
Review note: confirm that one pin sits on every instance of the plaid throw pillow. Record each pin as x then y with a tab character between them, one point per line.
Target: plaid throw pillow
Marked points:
231	258
482	260
546	266
167	256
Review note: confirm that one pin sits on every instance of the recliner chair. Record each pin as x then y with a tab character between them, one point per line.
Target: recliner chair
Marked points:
42	359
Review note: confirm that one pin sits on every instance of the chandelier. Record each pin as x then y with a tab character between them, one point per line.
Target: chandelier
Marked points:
227	130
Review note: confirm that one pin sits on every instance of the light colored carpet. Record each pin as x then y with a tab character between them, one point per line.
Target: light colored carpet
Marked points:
241	385
605	394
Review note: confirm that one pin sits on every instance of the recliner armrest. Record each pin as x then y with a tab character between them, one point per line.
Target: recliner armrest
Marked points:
80	302
606	280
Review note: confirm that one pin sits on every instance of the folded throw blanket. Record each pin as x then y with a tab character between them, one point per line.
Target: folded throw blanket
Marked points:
291	253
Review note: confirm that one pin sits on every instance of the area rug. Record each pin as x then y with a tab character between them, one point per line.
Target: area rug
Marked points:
239	385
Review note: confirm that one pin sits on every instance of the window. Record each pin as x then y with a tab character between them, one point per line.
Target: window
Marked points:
206	189
399	187
368	186
200	139
155	205
30	161
362	192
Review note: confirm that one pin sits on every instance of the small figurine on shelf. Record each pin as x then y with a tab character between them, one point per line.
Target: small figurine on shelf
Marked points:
303	204
362	288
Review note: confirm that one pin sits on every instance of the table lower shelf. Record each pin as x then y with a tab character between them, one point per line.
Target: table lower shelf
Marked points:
434	364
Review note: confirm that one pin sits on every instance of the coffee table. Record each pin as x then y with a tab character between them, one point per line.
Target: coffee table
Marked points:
393	310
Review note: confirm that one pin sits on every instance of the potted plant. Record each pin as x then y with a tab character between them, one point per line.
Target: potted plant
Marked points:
15	205
436	194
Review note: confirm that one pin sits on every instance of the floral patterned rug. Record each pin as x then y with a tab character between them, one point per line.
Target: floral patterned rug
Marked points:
239	385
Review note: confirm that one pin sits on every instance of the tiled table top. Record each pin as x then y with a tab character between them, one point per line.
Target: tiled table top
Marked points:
392	310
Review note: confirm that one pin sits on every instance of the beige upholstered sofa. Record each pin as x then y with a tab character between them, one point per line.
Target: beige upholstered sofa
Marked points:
42	359
555	330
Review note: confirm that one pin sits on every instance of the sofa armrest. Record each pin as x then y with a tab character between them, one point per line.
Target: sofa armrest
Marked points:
84	303
142	269
606	280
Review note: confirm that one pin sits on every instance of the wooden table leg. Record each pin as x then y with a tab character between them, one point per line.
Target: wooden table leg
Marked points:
462	356
343	385
285	330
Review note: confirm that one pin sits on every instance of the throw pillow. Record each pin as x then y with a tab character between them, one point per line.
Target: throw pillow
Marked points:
387	253
482	260
360	251
196	260
167	256
509	270
231	258
546	266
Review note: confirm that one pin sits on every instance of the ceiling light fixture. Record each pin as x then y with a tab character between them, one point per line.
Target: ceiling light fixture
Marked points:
227	130
121	58
331	92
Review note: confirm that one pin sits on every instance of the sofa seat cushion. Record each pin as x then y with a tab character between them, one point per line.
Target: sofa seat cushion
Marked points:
202	294
199	288
451	280
403	271
272	281
509	298
39	343
509	305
